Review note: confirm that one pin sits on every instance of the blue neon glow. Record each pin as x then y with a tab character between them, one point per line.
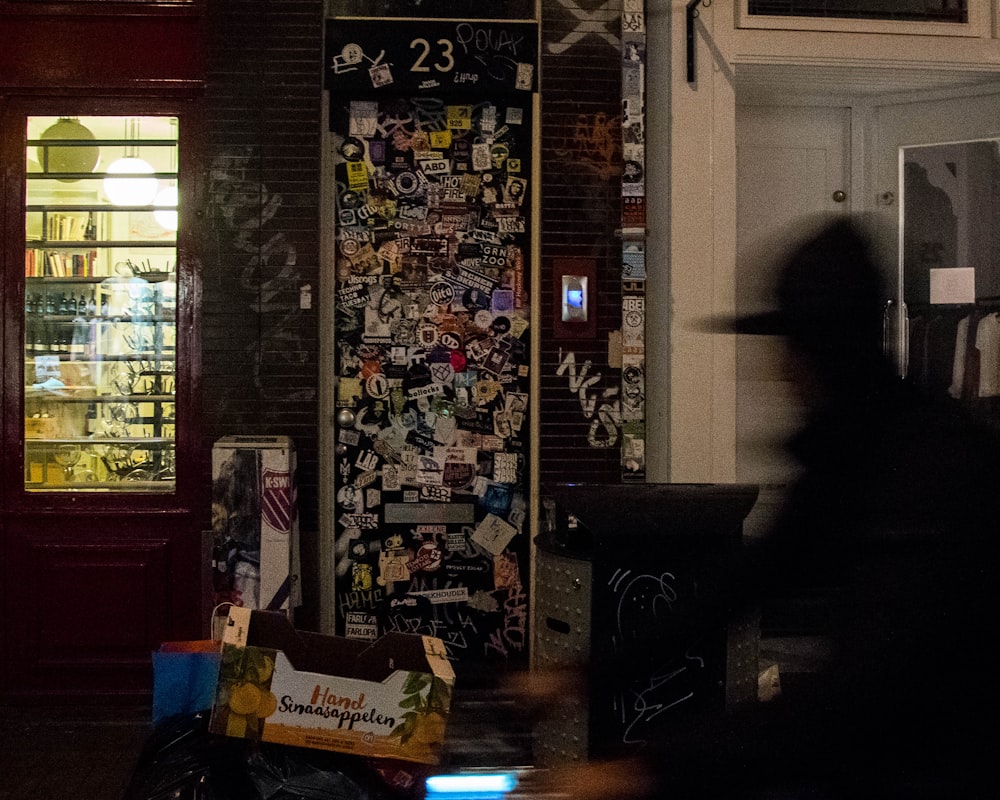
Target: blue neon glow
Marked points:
574	298
490	783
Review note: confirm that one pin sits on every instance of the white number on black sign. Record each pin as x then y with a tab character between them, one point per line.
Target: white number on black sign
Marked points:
446	62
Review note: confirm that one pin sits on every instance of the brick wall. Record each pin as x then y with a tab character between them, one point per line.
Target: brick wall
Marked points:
261	232
581	210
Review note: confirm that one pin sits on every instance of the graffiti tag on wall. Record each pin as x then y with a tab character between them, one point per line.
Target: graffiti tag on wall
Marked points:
245	212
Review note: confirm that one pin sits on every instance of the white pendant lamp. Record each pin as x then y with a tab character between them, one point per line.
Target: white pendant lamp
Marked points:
131	188
166	199
166	212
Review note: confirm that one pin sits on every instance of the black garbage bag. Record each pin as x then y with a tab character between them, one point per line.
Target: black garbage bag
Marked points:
181	760
292	773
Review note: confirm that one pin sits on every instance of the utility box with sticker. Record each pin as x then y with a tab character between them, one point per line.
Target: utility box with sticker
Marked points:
255	523
384	699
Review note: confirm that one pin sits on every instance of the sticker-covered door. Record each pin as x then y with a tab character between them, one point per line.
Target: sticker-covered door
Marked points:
432	124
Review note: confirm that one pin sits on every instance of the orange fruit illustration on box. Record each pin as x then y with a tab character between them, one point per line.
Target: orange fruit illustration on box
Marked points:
429	729
268	705
244	699
244	696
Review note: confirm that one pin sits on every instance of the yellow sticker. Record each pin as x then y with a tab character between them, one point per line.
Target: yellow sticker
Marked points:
357	175
459	117
440	140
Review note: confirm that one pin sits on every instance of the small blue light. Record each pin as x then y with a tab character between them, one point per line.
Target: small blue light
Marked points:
473	783
574	298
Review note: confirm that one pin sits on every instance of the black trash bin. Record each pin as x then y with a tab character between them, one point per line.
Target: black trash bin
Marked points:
629	581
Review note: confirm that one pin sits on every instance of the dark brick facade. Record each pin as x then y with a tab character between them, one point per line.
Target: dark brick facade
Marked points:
261	197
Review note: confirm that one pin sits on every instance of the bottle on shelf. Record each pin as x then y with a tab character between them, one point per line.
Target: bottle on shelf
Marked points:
90	230
92	423
78	342
61	342
30	324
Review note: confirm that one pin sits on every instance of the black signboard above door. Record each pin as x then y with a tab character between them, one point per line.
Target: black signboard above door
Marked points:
405	56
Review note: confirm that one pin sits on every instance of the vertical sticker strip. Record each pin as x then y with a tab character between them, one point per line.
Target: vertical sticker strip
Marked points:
633	446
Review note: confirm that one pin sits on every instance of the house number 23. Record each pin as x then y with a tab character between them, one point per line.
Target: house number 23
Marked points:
445	62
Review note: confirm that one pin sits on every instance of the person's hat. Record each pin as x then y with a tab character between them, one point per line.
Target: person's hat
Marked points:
829	289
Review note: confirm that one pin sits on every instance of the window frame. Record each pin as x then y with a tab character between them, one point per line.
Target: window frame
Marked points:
980	25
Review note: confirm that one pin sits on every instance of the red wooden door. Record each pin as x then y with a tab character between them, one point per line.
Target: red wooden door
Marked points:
101	556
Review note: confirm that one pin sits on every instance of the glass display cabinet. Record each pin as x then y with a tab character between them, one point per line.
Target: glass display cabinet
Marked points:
100	303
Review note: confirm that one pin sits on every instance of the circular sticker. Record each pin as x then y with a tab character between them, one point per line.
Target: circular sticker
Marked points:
349	247
427	558
458	474
377	385
500	325
352	148
406	183
352	53
450	339
483	318
442	293
631	172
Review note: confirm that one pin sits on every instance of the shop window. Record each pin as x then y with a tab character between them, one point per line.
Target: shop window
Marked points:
100	310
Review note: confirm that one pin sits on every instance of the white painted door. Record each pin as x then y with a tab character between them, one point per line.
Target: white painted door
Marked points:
791	162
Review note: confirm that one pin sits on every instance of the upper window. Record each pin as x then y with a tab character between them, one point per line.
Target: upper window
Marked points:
897	10
921	17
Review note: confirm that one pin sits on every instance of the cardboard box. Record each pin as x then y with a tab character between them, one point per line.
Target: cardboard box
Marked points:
384	699
255	522
41	427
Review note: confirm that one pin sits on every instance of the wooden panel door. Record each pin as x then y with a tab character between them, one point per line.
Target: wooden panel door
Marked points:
791	163
89	597
105	490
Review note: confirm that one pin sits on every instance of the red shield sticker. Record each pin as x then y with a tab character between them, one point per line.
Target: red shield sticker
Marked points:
276	501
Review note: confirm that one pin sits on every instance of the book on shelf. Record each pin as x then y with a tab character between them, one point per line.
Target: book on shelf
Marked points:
54	264
66	227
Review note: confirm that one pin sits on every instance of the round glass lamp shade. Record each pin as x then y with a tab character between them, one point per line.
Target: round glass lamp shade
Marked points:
166	212
134	190
68	158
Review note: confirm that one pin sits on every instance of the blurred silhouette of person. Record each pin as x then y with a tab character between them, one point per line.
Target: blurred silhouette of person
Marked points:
897	508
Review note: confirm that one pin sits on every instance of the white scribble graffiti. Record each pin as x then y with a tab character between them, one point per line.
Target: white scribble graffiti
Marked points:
606	418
